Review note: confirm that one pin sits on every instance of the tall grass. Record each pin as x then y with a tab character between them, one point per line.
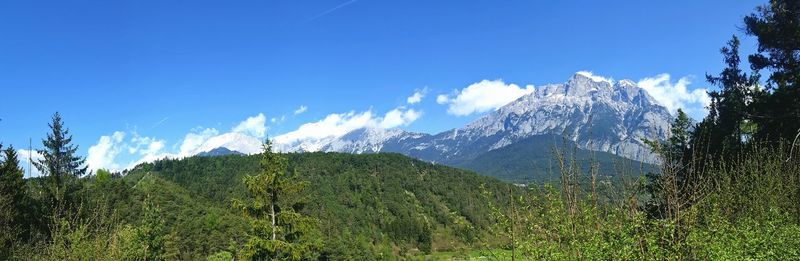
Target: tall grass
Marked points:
748	207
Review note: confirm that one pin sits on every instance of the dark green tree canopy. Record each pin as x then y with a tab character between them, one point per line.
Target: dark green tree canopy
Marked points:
59	160
59	163
279	230
777	28
12	201
729	109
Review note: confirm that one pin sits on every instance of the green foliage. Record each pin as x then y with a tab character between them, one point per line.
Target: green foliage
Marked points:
752	214
12	202
727	188
279	230
221	256
150	233
193	226
676	177
776	26
97	237
716	162
367	205
531	160
62	167
102	176
728	110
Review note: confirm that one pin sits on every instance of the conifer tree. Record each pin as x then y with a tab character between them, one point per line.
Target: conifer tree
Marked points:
279	230
12	197
59	162
730	102
777	28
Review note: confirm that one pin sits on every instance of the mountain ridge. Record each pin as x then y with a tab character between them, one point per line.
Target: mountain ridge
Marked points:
595	113
591	112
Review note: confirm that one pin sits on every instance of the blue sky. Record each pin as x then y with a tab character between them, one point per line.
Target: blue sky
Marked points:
161	69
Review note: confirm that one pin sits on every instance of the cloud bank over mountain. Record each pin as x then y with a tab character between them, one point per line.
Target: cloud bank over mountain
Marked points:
125	149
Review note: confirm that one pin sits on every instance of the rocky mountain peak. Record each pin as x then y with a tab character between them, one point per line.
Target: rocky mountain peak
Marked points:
584	84
592	111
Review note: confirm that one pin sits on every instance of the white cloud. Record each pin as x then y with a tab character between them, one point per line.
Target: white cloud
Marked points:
482	96
144	145
195	139
331	125
24	155
118	151
109	149
232	140
102	154
417	96
253	126
595	78
442	99
676	95
339	124
398	117
153	148
245	137
302	109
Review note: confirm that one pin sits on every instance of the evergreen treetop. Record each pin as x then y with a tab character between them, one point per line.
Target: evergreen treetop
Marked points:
59	162
279	230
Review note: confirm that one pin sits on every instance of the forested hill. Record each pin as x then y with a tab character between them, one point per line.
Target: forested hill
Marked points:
372	204
535	160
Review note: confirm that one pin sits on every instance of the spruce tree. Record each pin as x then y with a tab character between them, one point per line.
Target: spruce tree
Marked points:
59	162
278	229
729	113
12	202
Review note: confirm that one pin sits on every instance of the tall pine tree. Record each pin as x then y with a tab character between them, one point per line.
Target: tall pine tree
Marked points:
59	162
279	230
777	27
729	113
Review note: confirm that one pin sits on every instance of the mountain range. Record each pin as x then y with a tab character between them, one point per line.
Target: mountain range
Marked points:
589	112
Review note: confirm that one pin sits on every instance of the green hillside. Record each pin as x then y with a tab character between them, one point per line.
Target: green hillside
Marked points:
533	160
368	205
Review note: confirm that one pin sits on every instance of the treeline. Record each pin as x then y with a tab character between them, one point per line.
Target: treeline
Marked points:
327	206
728	186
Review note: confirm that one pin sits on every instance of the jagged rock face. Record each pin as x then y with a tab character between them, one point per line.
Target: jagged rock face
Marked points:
594	113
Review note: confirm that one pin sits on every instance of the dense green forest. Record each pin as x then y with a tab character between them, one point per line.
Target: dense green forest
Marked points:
531	161
726	187
366	206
